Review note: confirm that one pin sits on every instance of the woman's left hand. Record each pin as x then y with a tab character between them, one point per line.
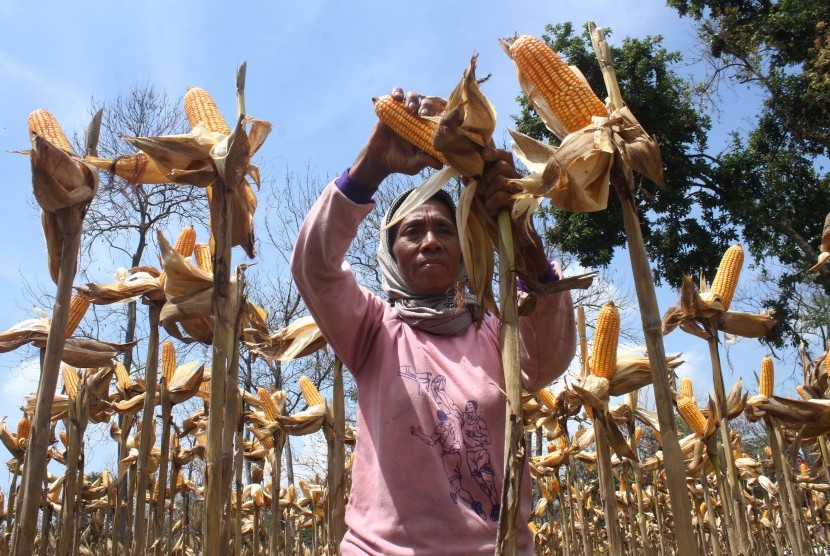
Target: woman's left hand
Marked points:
498	193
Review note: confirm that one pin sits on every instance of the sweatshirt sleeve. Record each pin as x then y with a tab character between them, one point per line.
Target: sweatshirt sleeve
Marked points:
348	315
547	338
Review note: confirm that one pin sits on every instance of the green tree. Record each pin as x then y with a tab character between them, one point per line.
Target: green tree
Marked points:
763	190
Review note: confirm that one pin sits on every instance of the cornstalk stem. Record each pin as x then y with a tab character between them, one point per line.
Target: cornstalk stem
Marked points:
514	455
147	427
223	339
652	329
164	462
607	490
337	450
70	221
276	473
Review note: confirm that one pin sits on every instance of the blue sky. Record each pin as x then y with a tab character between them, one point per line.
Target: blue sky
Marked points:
313	67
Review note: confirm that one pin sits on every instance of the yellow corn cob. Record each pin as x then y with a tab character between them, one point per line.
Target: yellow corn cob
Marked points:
766	382
201	108
71	382
555	487
802	392
604	345
570	99
24	426
546	398
726	279
638	435
803	468
687	407
203	257
767	451
268	406
310	392
77	309
168	360
64	438
686	387
703	508
122	376
43	123
533	528
186	241
410	127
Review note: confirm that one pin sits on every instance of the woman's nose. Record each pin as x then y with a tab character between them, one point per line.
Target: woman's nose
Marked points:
431	239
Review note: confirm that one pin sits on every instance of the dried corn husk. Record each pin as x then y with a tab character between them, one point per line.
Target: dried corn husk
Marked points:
129	285
700	314
300	338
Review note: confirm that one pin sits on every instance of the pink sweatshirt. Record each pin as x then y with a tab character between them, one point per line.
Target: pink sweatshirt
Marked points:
429	457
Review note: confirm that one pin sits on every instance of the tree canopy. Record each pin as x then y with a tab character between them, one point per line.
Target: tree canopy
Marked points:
767	189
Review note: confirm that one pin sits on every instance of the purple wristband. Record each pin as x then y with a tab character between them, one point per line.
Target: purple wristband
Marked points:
354	190
549	276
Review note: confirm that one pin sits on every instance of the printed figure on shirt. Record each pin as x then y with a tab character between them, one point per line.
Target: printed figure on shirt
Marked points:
448	436
476	442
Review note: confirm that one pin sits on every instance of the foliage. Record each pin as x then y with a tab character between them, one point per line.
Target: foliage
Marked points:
766	189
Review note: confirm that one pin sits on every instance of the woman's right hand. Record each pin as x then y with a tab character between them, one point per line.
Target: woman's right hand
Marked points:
386	153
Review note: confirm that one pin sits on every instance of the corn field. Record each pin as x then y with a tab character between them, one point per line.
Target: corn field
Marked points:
618	479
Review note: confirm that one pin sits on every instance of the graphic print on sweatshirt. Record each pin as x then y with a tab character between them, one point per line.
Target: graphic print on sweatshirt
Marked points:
456	430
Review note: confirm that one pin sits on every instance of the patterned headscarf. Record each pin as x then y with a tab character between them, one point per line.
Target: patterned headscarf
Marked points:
445	315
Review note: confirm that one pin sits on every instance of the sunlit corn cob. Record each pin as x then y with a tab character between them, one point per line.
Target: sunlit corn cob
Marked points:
604	345
201	253
533	528
767	451
562	443
268	406
686	387
545	397
64	439
168	360
78	306
766	382
43	123
310	392
122	376
802	391
24	427
412	128
638	435
569	97
726	279
71	382
703	507
184	246
201	108
688	409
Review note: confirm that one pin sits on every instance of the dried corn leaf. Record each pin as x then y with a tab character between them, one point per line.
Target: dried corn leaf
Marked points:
134	168
466	125
423	193
634	372
60	180
638	149
129	285
186	381
24	332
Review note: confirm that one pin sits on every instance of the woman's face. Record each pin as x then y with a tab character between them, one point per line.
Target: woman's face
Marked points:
427	249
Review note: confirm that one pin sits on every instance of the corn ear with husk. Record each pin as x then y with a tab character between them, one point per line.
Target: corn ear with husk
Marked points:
824	253
417	130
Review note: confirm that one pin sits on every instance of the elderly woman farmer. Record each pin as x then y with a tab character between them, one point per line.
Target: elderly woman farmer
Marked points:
430	418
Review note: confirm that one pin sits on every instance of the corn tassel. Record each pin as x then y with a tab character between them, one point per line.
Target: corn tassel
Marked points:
310	392
412	128
570	99
688	409
168	361
726	279
44	124
77	309
766	382
201	108
604	345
